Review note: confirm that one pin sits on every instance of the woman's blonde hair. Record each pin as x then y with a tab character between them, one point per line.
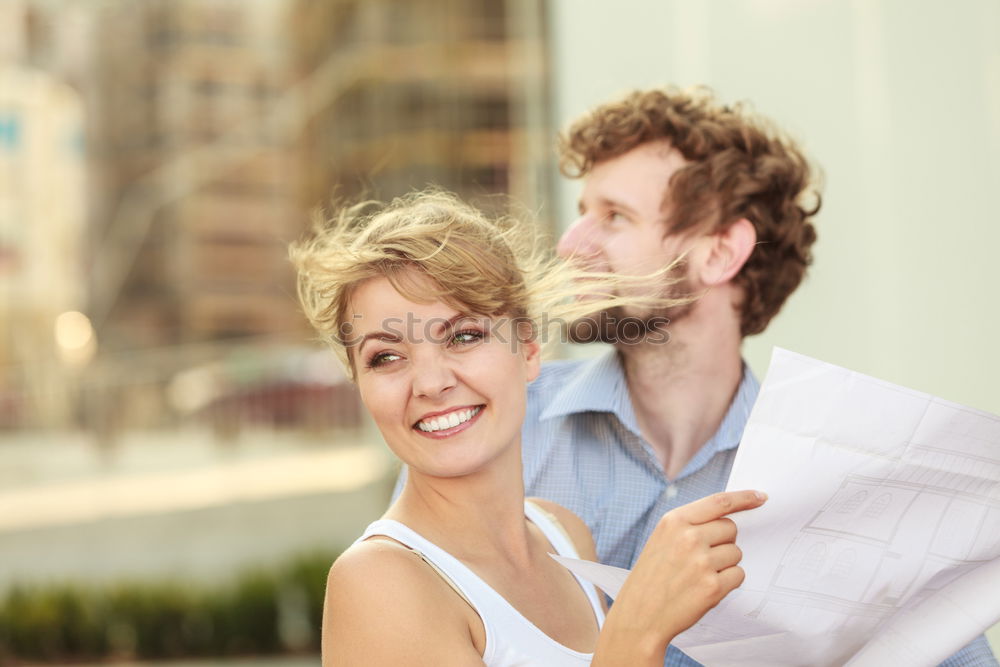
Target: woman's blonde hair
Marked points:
475	264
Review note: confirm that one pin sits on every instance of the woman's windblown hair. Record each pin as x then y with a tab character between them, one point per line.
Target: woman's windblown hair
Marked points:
481	266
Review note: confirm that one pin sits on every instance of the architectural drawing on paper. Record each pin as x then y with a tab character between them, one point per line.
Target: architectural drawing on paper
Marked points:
856	555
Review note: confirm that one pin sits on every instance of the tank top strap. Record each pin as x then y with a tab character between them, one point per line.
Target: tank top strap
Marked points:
551	528
511	639
455	573
561	542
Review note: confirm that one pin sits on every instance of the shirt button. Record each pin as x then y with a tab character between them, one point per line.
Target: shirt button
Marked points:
671	491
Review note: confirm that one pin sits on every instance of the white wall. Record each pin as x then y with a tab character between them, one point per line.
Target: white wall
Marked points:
899	102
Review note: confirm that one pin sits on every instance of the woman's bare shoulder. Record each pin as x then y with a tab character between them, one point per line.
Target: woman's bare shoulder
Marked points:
385	605
376	560
377	571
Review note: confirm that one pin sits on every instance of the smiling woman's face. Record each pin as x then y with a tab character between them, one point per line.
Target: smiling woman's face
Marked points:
446	390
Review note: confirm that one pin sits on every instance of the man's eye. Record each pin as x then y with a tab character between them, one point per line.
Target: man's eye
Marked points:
615	216
467	337
383	358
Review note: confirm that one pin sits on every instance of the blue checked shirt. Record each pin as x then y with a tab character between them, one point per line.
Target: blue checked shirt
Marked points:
583	450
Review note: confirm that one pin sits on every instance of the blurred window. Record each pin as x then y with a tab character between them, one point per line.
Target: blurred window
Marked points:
492	112
488	18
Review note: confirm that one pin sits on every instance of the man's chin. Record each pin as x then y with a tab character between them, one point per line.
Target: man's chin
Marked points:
615	327
587	330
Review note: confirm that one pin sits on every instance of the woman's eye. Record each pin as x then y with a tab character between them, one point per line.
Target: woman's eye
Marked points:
466	337
382	358
615	216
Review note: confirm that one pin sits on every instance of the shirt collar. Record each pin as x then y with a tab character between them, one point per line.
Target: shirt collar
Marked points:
599	386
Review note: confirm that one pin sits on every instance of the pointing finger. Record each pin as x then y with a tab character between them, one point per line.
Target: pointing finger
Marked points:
719	505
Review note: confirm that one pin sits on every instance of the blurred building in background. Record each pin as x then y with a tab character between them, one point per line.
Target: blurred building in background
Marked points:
162	411
450	93
212	130
201	183
42	226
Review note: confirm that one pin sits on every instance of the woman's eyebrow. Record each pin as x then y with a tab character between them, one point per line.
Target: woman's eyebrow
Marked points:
383	336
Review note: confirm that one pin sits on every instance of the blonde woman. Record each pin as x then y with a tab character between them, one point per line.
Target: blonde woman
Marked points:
434	310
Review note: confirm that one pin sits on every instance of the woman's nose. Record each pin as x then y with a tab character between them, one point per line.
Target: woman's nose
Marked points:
432	375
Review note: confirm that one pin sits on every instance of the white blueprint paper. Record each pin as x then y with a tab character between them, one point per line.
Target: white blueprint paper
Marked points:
880	541
608	578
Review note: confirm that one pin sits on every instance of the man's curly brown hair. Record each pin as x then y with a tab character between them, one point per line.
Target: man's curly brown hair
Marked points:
739	166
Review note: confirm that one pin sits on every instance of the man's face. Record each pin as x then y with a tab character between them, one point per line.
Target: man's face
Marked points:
621	229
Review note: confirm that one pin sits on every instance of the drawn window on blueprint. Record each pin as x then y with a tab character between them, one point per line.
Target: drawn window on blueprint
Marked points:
844	564
814	559
851	505
879	506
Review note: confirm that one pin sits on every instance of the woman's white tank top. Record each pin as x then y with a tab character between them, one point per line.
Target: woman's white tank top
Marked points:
511	639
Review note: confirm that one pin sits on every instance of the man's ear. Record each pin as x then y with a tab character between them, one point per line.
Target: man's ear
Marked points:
727	252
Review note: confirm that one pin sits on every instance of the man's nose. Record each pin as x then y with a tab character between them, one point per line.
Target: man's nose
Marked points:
579	240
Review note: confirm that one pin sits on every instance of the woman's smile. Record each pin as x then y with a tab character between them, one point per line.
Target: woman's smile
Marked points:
449	422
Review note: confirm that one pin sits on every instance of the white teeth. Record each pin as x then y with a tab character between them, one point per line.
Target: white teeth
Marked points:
448	421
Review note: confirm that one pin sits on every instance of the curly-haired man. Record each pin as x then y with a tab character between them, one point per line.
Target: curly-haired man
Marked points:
655	423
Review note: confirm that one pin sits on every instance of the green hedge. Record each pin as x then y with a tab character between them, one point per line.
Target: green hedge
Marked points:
260	612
